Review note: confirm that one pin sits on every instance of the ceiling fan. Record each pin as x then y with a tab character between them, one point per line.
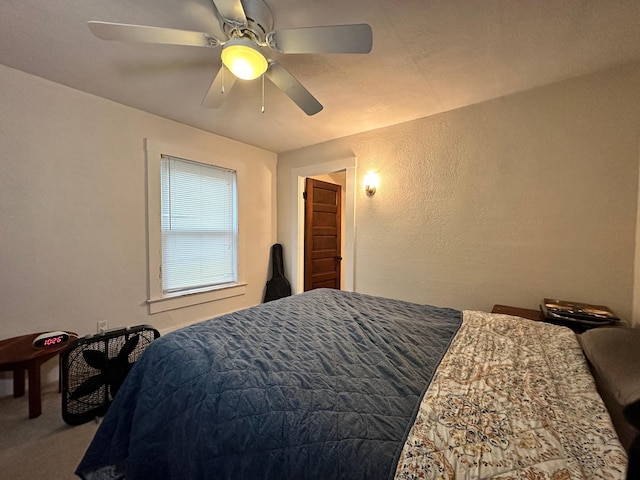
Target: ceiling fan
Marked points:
248	27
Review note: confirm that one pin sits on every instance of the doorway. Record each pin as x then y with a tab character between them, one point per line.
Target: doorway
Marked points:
298	176
322	233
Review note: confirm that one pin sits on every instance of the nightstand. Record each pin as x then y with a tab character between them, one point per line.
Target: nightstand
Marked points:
519	312
537	316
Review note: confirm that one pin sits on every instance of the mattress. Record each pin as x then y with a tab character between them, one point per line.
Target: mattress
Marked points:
338	385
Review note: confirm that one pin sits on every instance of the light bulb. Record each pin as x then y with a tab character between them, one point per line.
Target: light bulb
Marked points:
244	59
371	183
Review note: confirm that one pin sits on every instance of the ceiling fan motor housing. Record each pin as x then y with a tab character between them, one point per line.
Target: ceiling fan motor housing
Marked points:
259	20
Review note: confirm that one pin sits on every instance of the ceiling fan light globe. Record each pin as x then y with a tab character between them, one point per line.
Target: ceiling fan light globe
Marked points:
244	59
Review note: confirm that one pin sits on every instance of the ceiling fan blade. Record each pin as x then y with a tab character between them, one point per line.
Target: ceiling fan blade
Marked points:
141	33
219	88
293	89
232	11
357	38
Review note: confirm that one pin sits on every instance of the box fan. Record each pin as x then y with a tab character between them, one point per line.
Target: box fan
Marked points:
94	367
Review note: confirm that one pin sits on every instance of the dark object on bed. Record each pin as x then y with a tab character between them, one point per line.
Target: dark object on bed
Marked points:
94	367
613	354
278	286
322	385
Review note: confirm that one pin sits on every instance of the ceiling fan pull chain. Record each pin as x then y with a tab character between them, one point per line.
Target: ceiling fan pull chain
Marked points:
263	93
222	80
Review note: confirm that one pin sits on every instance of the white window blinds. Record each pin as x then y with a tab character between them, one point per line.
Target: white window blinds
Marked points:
199	225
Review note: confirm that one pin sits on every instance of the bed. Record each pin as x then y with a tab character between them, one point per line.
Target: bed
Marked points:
338	385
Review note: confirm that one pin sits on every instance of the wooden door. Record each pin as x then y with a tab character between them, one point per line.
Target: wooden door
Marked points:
322	222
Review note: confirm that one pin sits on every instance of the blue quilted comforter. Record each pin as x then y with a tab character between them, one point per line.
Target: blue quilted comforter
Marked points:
322	385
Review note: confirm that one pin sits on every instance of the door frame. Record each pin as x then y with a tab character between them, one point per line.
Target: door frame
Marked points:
297	222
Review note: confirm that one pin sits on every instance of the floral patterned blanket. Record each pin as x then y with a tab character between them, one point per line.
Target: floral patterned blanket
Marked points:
512	399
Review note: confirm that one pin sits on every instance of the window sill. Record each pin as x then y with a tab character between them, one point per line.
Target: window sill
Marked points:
195	297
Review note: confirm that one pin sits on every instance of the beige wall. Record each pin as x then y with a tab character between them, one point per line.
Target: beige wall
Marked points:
507	201
72	210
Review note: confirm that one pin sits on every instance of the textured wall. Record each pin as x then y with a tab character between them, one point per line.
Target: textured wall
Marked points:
507	201
73	213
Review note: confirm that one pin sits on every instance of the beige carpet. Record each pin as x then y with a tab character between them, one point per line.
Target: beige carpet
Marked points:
44	447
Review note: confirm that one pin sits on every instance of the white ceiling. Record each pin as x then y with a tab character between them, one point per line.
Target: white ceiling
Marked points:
427	57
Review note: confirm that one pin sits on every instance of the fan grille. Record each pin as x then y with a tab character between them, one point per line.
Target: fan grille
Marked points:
80	408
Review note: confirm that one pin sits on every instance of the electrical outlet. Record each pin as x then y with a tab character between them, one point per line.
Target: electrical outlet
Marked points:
101	326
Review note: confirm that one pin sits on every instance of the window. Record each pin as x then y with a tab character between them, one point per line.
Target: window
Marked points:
199	225
194	235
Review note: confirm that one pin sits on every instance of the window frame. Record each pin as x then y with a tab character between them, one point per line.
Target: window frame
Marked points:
159	301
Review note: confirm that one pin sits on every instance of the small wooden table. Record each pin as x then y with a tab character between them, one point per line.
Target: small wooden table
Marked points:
18	354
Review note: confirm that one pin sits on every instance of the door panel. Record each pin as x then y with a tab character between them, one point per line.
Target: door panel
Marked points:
322	235
324	242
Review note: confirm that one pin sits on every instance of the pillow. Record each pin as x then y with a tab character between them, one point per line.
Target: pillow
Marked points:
614	353
614	357
632	414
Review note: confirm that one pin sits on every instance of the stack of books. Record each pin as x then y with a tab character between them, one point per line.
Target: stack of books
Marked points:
582	314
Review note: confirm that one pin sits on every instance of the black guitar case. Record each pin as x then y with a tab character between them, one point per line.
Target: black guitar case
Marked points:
278	286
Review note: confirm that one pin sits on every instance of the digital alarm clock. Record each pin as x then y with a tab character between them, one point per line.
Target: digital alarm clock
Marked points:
50	339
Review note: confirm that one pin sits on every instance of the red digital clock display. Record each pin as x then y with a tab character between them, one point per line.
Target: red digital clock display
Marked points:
50	339
53	340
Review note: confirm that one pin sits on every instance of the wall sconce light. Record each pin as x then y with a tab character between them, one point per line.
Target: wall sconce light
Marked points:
371	183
